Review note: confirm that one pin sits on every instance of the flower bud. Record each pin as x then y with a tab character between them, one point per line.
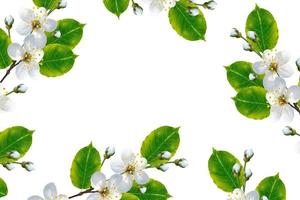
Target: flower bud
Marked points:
194	11
298	64
21	89
57	34
210	5
143	190
248	154
9	166
14	155
289	131
62	4
109	152
183	163
9	21
235	33
252	77
163	167
236	168
137	9
264	198
252	35
247	47
248	174
28	166
165	155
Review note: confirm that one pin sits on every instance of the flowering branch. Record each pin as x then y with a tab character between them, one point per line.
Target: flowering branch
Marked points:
88	191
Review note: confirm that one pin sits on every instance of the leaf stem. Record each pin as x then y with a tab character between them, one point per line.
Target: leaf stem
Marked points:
244	167
88	191
12	66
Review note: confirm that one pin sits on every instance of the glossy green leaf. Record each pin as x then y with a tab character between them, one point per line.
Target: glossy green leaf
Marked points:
273	188
188	26
262	22
252	103
48	4
128	196
71	33
5	41
58	60
14	139
3	188
154	191
86	162
238	75
117	7
165	138
220	166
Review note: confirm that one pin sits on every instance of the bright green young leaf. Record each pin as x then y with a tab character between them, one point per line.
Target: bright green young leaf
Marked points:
14	139
252	103
71	33
48	4
165	138
273	188
5	41
58	60
190	27
86	162
262	22
220	166
3	188
117	7
128	196
155	191
238	75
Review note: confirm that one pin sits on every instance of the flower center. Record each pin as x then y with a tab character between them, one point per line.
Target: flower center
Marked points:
36	24
130	169
282	100
273	67
27	57
104	192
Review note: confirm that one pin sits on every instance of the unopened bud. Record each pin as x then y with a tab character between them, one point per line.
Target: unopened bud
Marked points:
289	131
252	35
264	198
28	166
109	152
252	77
183	163
14	155
21	89
62	4
163	167
57	34
211	5
194	11
137	9
247	47
236	168
235	33
9	21
248	174
9	166
248	154
165	155
143	190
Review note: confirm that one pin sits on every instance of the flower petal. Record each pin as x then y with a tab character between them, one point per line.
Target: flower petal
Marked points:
253	195
287	113
15	51
62	197
95	196
49	25
35	198
27	15
98	180
40	39
283	57
141	177
115	181
6	103
118	166
30	43
128	156
294	94
285	71
276	112
270	81
156	7
24	28
21	71
126	183
50	191
33	69
260	67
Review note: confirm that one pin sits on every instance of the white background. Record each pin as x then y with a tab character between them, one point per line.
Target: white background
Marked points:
136	74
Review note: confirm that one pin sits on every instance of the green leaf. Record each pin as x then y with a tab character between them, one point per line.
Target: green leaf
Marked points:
190	27
117	7
86	162
14	139
262	22
58	60
71	33
272	187
127	196
155	191
220	166
3	188
5	41
48	4
238	75
165	138
252	103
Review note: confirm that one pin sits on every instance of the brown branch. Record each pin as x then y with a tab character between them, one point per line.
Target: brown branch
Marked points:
88	191
12	66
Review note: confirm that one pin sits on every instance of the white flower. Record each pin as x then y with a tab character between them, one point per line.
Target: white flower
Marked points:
28	55
274	65
50	193
194	11
36	22
137	9
6	104
131	166
9	166
109	152
235	33
164	167
29	166
14	154
252	77
183	163
165	155
251	35
57	34
9	20
247	47
62	4
157	6
239	194
281	99
236	168
107	189
248	154
248	173
143	190
22	88
288	131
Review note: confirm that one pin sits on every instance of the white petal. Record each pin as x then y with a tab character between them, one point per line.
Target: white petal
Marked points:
6	103
95	196
40	12
15	51
287	113
24	28
29	43
21	71
35	198
50	191
118	166
62	197
115	181
253	195
270	81
49	25
98	180
126	183
285	71
40	39
141	177
27	15
283	57
276	112
33	70
37	55
260	67
128	156
156	7
294	94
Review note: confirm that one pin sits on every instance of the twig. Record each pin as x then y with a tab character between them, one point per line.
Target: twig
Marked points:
13	65
88	191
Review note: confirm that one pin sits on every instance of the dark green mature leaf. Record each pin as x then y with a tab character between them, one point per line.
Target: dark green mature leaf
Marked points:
3	188
128	196
188	26
220	166
155	191
48	4
71	33
5	41
117	7
272	187
58	60
86	162
238	75
165	138
14	139
262	22
252	103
